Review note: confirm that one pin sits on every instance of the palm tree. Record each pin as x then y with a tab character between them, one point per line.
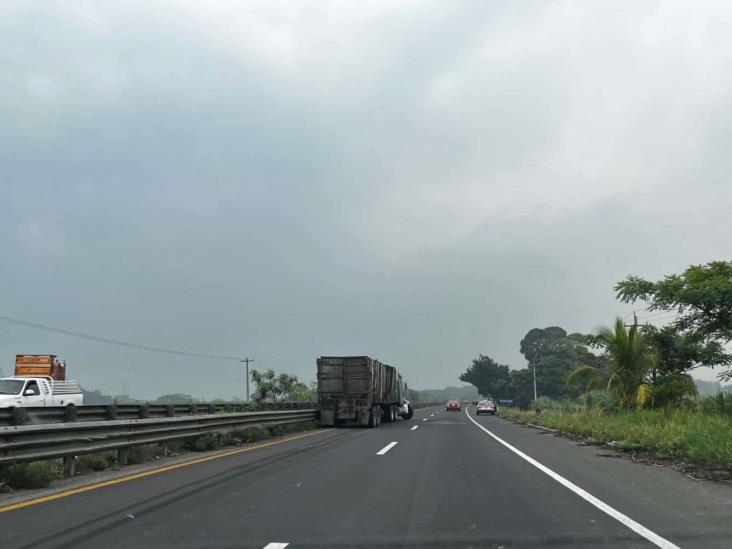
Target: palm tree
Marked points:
630	361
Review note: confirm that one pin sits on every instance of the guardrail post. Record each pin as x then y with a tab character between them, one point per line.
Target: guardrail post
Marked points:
170	410
122	455
69	466
20	415
112	411
144	411
70	415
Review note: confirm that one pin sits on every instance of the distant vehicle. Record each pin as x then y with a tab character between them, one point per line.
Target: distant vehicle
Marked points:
39	380
360	389
486	407
475	403
453	406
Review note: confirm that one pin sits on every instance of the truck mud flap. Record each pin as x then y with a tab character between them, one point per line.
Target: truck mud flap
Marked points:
327	418
363	416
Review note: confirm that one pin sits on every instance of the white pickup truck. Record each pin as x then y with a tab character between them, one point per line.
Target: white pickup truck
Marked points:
39	391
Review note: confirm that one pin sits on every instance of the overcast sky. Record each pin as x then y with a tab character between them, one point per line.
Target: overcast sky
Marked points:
417	181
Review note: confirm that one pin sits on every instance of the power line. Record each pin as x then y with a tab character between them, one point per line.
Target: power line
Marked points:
626	316
661	316
111	341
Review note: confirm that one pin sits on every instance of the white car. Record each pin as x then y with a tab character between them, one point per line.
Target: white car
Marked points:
486	407
23	392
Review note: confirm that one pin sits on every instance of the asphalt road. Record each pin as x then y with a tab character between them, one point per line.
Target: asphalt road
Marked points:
447	483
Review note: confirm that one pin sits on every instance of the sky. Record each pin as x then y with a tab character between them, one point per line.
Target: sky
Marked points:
416	181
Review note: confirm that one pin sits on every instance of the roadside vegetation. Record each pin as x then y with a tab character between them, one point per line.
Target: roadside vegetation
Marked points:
630	385
696	437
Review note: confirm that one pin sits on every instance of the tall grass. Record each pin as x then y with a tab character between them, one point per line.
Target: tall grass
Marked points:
720	404
701	438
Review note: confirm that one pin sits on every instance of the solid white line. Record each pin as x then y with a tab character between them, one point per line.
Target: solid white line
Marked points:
276	545
414	428
601	505
386	448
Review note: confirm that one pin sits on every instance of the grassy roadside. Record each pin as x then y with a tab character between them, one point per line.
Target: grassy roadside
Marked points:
41	473
703	440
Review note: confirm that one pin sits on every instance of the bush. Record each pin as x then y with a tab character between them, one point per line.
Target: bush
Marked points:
720	403
95	462
545	403
258	433
202	443
600	401
31	475
141	454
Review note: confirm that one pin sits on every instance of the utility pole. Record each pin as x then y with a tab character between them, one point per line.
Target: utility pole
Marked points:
534	370
247	361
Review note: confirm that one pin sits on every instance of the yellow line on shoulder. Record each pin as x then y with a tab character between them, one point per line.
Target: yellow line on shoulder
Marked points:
127	478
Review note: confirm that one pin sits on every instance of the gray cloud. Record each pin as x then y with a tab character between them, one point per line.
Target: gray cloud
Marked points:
420	182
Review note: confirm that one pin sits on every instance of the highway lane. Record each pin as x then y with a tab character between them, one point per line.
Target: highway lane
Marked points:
445	484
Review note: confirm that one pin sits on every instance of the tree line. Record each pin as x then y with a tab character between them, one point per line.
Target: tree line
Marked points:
635	364
269	386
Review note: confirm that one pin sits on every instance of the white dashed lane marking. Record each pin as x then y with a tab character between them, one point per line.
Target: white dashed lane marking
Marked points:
386	448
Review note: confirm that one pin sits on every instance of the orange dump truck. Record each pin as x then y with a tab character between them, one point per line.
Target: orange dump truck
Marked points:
40	365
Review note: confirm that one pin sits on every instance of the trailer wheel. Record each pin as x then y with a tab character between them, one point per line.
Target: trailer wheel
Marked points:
386	413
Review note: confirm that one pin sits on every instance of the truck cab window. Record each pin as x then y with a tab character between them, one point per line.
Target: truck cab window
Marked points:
33	386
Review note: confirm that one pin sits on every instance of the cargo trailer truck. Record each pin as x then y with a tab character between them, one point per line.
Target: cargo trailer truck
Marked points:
361	390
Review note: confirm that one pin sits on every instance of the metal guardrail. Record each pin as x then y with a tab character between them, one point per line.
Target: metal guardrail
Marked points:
62	414
25	443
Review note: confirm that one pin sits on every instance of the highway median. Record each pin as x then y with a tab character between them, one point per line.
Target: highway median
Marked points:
42	474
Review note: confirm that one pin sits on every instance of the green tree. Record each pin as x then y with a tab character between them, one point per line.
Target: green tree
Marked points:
96	397
539	342
631	374
522	387
489	377
272	387
680	353
303	393
554	354
675	355
701	295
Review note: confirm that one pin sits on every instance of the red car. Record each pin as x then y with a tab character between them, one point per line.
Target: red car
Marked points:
453	406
